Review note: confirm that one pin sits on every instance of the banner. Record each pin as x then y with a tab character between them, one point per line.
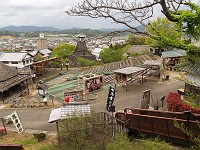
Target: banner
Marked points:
17	123
111	96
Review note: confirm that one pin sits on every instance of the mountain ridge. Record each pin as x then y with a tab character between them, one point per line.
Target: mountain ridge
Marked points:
51	29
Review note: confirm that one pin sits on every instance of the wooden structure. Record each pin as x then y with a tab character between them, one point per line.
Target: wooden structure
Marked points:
161	123
12	84
93	84
155	66
81	50
193	78
130	74
74	94
11	147
171	58
40	66
3	129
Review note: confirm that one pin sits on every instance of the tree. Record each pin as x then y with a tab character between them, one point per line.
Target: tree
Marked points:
136	40
38	57
166	28
129	13
111	54
82	62
63	50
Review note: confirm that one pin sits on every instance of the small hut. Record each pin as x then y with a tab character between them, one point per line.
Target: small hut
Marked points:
11	83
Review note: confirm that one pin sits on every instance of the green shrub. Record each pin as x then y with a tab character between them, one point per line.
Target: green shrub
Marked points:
39	136
82	62
120	142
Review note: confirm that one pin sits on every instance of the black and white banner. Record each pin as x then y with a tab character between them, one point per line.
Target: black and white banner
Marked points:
17	123
111	97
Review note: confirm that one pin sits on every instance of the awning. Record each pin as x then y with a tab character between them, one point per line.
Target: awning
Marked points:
129	70
172	54
71	109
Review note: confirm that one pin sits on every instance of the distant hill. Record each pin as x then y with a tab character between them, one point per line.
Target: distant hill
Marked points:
140	27
28	28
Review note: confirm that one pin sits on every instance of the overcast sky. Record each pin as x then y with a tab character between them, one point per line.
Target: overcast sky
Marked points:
46	13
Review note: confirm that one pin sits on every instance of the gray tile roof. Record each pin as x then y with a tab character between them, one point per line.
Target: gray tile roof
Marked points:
7	72
45	52
14	56
192	69
138	49
129	70
174	53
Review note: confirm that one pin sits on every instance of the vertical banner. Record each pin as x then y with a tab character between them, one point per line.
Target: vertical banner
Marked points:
17	123
111	96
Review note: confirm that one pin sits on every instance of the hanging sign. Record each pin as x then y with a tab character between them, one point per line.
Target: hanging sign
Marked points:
111	96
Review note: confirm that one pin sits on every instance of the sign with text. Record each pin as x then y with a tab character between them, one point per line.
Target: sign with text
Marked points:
111	96
147	96
16	121
93	84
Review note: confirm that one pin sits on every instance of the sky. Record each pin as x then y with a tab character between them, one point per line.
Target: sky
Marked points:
47	13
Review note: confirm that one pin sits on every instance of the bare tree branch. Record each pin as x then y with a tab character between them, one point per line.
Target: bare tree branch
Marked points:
127	12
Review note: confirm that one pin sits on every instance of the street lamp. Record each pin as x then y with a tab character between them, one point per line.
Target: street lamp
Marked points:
67	65
42	88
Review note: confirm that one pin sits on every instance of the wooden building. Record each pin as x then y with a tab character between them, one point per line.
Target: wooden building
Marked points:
12	84
81	50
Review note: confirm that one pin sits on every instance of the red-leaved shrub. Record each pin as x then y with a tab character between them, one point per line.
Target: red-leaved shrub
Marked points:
175	104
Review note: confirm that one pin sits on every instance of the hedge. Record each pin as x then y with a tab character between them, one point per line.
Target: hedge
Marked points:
175	104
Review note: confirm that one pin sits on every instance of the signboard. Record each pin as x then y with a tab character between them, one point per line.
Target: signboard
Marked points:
111	96
144	104
147	95
16	121
76	95
92	84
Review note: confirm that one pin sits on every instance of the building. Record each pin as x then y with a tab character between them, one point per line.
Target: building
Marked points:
12	84
46	53
81	50
17	59
42	42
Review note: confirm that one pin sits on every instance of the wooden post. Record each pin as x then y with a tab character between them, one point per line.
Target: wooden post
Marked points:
57	128
4	125
142	77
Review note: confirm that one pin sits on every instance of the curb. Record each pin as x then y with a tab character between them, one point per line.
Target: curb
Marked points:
31	131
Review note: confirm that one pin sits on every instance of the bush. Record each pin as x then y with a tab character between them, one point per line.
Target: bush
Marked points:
175	104
39	136
82	62
120	142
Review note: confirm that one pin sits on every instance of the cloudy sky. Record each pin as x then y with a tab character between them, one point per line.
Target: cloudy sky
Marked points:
46	13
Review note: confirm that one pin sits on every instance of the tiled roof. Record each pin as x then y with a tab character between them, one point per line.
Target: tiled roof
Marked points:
192	68
14	56
129	70
71	109
138	49
7	72
174	53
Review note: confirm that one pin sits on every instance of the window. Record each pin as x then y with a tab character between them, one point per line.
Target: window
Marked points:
14	62
23	62
5	62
